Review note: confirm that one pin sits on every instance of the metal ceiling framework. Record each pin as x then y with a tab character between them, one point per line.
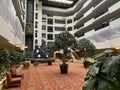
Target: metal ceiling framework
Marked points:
58	5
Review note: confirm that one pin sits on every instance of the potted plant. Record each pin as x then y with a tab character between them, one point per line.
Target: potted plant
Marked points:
104	74
26	65
63	41
36	63
86	49
5	62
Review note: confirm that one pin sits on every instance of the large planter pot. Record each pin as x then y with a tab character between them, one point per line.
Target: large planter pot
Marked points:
64	68
49	63
86	64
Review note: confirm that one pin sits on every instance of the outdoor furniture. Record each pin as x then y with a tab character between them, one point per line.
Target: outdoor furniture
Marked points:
12	81
14	73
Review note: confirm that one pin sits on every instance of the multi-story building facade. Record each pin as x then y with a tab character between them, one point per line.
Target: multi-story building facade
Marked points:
86	18
12	24
96	20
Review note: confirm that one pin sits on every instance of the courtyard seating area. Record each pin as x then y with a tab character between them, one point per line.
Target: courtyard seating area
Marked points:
48	77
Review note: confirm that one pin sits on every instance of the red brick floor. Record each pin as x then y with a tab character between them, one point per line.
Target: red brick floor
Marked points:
48	77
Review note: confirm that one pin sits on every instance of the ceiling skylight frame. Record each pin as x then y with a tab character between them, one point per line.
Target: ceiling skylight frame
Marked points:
62	1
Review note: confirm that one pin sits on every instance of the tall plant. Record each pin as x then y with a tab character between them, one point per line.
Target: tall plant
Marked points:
63	41
105	72
86	48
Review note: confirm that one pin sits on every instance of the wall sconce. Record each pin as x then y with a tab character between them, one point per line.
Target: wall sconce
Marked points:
18	45
117	48
23	47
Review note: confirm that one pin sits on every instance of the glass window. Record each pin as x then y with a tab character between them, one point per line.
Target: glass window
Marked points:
36	6
36	41
43	27
43	19
50	21
43	35
50	29
36	33
50	36
36	24
36	16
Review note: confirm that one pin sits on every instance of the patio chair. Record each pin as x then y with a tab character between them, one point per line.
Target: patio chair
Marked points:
14	73
12	81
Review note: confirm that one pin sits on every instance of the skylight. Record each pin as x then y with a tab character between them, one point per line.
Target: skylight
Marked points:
62	1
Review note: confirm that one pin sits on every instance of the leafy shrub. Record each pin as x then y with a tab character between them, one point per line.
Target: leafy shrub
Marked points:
36	63
104	73
26	64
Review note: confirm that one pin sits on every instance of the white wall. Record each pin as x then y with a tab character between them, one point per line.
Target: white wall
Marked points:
10	27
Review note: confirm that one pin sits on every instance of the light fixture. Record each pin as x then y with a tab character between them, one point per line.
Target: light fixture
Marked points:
18	45
117	48
62	1
23	47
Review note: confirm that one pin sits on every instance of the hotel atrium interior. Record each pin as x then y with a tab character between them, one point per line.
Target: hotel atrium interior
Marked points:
26	24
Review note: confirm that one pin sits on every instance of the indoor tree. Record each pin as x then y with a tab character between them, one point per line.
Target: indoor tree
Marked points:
50	49
86	49
63	41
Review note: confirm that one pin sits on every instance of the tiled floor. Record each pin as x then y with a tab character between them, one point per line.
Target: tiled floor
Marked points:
48	77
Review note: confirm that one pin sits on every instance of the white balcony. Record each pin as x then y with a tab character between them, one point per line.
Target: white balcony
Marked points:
60	25
115	23
114	7
88	12
89	22
87	3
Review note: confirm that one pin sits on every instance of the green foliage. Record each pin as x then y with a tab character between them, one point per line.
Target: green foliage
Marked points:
86	48
5	62
49	49
9	59
26	65
104	73
36	63
63	41
4	56
16	57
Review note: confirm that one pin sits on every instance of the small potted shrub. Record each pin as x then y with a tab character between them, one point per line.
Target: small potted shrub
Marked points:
26	64
36	63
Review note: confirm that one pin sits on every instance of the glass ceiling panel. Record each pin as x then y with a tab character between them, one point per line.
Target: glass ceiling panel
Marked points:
62	1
